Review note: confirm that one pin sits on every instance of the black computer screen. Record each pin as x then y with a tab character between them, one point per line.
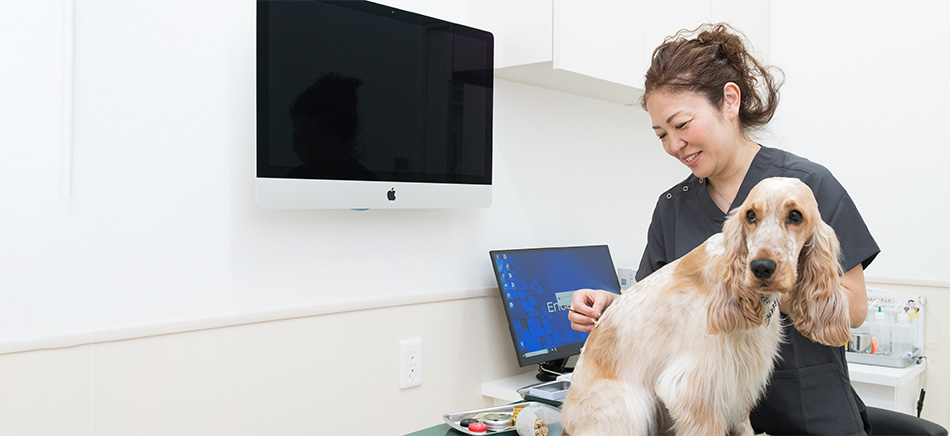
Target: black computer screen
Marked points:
354	90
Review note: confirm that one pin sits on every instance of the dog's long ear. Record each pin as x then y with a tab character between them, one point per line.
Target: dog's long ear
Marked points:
818	305
735	305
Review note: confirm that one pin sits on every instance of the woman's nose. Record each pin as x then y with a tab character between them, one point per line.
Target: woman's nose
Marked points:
676	143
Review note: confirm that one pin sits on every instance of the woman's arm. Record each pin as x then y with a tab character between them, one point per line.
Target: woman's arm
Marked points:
853	284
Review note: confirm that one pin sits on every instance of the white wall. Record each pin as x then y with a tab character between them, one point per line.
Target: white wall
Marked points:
42	260
867	97
162	225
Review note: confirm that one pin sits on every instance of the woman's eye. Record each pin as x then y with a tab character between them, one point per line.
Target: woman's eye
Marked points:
681	125
662	136
795	217
750	217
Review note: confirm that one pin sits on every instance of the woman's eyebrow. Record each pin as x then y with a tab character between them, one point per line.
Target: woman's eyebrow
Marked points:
669	120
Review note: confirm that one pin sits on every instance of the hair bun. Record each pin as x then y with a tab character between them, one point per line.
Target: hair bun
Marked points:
704	59
732	45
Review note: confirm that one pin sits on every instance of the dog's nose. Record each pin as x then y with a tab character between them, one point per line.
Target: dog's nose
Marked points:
762	268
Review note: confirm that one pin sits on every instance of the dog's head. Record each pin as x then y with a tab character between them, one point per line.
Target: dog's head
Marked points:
775	228
776	242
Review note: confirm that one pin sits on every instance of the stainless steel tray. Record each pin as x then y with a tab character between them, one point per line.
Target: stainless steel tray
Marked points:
452	419
552	391
878	360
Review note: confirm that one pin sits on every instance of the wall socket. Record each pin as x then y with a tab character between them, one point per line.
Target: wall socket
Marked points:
410	363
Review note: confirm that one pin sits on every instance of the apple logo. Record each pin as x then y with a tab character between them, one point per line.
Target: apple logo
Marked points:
391	195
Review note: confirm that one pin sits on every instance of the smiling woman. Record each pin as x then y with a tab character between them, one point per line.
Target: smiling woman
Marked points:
705	93
708	141
725	93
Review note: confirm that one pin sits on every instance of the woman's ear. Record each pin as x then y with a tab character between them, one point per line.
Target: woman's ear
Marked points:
731	100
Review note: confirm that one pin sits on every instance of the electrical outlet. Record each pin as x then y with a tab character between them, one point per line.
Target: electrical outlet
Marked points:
410	363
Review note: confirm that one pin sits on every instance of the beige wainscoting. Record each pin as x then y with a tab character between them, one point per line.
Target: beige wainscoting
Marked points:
332	373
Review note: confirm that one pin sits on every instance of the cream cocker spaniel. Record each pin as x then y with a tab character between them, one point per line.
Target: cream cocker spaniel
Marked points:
689	350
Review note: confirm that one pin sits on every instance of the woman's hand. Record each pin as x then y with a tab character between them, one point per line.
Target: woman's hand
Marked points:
587	305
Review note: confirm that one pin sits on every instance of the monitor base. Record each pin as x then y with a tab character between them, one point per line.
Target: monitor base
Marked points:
552	369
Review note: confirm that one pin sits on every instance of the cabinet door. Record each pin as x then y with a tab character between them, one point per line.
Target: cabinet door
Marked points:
614	40
663	19
603	39
522	29
600	48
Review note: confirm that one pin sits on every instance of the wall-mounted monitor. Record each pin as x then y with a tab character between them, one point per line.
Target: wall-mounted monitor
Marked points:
361	105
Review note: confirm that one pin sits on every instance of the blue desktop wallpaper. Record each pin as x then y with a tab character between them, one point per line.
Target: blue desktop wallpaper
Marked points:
537	287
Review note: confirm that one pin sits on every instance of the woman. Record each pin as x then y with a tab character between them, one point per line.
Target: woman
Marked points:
705	94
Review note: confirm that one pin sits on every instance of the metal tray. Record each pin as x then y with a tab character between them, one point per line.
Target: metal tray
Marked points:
552	391
878	360
452	419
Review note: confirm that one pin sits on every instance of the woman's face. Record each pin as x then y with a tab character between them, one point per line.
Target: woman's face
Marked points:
693	131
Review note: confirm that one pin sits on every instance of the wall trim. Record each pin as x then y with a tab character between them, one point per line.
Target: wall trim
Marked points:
122	334
137	332
908	282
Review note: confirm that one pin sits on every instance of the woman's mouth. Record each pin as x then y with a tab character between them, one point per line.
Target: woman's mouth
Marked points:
691	159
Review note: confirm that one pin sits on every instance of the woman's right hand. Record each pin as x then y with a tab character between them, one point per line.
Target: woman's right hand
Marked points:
587	305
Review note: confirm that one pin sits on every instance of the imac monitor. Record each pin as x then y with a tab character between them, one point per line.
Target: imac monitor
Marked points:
536	286
361	105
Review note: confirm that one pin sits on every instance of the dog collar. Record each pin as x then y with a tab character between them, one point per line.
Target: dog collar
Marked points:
768	315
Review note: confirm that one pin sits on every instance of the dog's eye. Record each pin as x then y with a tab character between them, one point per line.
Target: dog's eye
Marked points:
794	217
750	216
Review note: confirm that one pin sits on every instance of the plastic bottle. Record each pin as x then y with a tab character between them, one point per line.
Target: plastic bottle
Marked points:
882	332
903	341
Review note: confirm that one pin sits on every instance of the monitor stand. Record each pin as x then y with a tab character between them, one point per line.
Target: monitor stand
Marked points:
550	370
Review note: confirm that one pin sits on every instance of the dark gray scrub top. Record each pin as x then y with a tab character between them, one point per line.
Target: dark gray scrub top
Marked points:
810	391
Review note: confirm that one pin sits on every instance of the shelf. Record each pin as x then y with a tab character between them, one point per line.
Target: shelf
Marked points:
506	390
543	74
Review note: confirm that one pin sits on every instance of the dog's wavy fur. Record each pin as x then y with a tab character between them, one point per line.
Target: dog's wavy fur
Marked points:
689	350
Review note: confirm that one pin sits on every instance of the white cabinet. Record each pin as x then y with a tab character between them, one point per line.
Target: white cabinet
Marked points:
896	389
522	29
600	48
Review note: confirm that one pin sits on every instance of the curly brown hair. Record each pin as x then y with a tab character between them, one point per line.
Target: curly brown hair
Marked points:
704	59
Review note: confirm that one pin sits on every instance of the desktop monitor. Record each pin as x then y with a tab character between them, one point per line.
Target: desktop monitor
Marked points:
362	105
536	286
